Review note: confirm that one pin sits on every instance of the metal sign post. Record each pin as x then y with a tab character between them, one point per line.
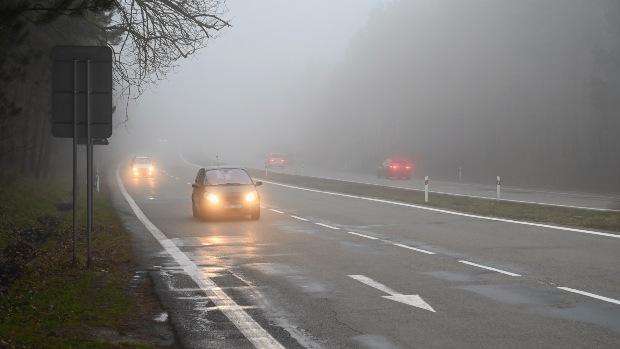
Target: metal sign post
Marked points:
82	110
89	170
75	181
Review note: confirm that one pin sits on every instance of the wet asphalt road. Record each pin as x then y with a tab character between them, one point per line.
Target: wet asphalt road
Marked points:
297	273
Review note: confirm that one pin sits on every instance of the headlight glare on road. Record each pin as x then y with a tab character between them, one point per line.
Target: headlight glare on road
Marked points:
213	199
251	196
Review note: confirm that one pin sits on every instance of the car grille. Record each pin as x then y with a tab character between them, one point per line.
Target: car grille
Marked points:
233	198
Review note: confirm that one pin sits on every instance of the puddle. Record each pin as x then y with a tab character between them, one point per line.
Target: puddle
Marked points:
603	315
293	276
509	294
451	276
374	342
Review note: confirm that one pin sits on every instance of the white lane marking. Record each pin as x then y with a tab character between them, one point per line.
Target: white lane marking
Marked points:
363	235
489	268
496	219
409	299
235	313
276	211
299	218
584	293
408	247
327	226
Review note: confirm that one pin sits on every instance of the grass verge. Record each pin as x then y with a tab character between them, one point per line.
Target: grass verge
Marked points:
52	304
579	218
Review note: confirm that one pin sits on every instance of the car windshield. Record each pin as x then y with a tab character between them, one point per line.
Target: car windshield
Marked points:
228	176
141	161
277	156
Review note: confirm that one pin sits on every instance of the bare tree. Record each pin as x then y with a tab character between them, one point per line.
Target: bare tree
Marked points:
148	37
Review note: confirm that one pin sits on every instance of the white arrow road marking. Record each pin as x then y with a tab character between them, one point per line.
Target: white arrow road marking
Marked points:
251	329
409	299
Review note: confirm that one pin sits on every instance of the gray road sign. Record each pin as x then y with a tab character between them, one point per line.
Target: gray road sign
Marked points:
71	76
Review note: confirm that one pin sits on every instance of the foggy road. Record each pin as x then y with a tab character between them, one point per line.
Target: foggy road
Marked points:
326	271
509	193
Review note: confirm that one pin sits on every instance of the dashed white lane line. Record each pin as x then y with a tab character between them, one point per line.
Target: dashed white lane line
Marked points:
276	211
299	218
363	235
456	213
235	313
327	226
489	268
588	294
408	247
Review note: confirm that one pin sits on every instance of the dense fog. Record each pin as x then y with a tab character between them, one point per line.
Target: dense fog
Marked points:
529	90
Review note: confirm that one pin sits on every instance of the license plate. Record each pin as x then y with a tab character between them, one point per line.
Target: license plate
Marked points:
235	206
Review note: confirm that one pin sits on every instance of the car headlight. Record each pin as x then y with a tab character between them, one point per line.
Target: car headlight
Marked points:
213	199
251	196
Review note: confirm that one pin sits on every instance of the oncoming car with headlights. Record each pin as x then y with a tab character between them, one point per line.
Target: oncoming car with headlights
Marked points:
224	190
142	166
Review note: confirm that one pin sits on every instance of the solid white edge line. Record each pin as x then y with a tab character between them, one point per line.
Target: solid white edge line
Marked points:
327	226
363	235
473	196
299	218
489	268
276	211
253	331
409	247
496	219
584	293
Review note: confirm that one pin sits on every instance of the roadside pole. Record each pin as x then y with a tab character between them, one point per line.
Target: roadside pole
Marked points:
426	189
498	194
460	173
89	169
75	145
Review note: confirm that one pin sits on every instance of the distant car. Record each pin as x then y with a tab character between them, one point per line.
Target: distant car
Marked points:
142	166
224	190
276	160
391	168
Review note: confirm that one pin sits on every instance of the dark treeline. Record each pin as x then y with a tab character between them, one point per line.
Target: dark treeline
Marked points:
529	90
26	144
147	38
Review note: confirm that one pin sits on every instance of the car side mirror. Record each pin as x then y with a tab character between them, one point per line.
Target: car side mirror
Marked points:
194	185
258	183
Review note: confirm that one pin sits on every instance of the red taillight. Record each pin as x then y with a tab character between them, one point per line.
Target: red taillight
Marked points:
408	167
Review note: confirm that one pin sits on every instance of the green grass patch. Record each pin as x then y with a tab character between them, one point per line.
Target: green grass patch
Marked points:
54	304
571	217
